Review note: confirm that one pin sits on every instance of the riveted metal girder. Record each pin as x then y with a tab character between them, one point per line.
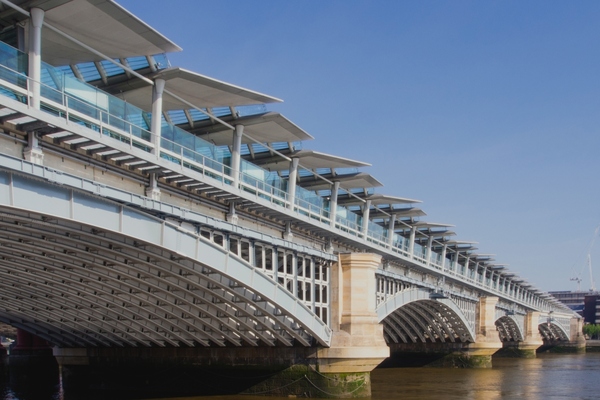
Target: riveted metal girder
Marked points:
132	281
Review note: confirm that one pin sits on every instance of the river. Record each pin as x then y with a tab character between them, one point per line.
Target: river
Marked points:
549	376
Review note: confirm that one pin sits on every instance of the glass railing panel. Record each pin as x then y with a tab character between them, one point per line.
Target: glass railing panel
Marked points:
15	65
348	220
419	251
376	232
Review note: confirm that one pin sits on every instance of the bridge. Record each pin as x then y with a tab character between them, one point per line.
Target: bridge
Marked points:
154	215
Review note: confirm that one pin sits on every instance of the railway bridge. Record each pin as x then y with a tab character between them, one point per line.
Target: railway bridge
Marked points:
154	216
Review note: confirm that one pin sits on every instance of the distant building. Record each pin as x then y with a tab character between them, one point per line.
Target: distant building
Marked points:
591	308
585	303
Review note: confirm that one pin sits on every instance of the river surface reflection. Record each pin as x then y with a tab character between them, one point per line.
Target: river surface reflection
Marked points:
550	376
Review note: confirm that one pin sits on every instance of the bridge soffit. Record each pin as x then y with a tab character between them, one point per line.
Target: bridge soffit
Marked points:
554	327
510	328
424	317
98	252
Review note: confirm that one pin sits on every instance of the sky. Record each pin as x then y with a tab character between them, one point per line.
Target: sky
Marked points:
487	111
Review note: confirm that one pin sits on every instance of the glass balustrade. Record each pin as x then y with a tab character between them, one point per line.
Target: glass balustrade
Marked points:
65	96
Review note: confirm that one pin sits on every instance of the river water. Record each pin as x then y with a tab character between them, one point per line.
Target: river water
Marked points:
549	376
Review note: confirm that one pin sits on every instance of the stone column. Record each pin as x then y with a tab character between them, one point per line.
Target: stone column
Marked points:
358	345
487	338
532	339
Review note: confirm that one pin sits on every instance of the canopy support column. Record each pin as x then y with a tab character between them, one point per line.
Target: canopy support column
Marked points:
156	122
366	216
411	243
235	154
444	251
292	180
391	228
429	246
35	55
333	203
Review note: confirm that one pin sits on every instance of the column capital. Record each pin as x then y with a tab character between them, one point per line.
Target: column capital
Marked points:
360	260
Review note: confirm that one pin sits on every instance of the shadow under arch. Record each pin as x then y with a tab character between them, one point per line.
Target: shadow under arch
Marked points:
552	332
81	271
412	316
509	330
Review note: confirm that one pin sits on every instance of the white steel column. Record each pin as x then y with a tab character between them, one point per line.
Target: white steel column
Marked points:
411	243
391	229
156	122
235	154
35	55
429	245
444	250
366	216
333	203
292	180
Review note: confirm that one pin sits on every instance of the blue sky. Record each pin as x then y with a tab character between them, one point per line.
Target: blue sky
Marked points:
487	111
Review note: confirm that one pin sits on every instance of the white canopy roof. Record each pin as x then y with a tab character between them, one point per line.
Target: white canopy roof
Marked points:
101	24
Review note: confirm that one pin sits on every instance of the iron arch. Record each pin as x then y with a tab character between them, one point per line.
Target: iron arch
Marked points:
553	332
79	270
411	316
508	329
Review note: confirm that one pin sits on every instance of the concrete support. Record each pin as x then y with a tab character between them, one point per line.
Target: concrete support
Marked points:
157	108
358	345
232	215
487	338
152	190
288	234
33	152
35	55
532	340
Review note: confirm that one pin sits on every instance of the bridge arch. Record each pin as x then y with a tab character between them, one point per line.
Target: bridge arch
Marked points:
80	270
509	329
551	331
412	316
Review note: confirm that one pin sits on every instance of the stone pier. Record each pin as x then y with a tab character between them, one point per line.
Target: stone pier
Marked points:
342	370
532	340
